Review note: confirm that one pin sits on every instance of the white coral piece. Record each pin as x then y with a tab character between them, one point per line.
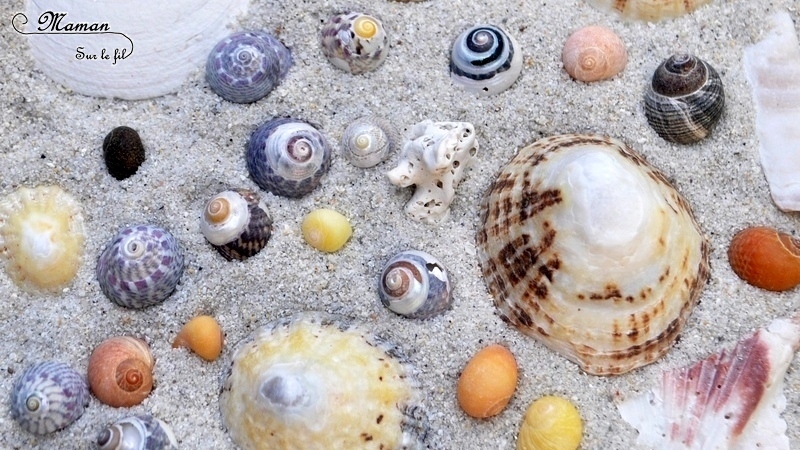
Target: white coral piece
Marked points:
434	160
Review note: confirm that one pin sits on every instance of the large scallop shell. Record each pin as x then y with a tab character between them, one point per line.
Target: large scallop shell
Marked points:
313	381
485	60
354	42
121	371
368	140
415	284
236	223
41	237
140	432
288	157
47	397
650	10
684	100
245	66
140	267
591	251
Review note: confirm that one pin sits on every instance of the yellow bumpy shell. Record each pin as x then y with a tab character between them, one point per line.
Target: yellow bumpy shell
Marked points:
551	423
202	335
41	237
326	230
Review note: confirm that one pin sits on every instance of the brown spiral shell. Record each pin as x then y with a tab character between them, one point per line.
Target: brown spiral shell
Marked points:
766	258
594	53
121	371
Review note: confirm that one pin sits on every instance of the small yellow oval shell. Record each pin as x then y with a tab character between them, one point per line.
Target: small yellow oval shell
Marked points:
202	335
487	382
326	230
551	423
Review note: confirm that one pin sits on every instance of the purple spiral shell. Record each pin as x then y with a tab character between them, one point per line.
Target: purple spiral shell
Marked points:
288	157
140	267
245	66
48	397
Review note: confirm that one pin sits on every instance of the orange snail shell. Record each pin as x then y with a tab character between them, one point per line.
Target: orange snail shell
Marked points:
121	371
766	258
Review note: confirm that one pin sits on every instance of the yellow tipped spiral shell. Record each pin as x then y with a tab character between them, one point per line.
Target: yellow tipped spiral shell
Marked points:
217	210
326	230
551	423
365	27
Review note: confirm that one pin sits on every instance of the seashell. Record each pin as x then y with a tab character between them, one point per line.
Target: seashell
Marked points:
368	140
172	41
730	400
772	67
236	223
245	66
140	267
140	432
121	371
41	238
354	42
434	160
312	379
485	60
766	258
288	157
123	152
415	284
326	230
48	397
594	53
685	99
488	381
551	423
202	335
590	250
648	10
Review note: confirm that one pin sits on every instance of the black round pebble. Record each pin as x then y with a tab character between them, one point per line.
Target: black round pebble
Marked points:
123	152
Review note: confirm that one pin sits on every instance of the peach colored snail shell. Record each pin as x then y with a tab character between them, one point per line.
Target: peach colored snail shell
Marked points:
121	371
766	258
594	53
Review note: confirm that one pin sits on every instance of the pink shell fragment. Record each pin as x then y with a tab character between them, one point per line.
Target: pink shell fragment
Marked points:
730	400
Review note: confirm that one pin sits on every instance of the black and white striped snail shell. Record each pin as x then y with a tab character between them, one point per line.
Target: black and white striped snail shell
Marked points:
684	100
415	284
245	66
485	60
368	140
288	157
236	224
48	397
354	42
140	267
140	432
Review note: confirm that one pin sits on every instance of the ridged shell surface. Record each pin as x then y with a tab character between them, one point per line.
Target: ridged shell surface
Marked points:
590	250
649	10
485	60
47	397
684	100
415	284
140	432
288	157
236	224
318	381
355	42
368	140
140	267
245	66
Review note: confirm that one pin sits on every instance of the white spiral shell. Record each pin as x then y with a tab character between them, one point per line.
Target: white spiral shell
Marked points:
368	140
485	60
415	284
140	432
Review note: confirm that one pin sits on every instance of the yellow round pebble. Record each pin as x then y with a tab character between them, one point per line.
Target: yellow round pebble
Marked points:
551	423
326	230
487	382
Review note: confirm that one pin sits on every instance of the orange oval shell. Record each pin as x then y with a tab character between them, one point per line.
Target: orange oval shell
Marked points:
487	382
121	371
766	258
202	335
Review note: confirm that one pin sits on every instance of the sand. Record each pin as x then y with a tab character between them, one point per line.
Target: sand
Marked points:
195	145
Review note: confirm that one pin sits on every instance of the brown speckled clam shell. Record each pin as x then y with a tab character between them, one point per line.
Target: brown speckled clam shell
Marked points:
590	250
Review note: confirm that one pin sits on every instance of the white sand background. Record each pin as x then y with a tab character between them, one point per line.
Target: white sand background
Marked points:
195	146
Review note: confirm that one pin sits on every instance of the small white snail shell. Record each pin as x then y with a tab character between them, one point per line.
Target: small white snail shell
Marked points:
236	224
368	140
485	60
415	284
141	432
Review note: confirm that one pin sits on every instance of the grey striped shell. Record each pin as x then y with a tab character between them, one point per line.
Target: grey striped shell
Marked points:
140	432
140	267
245	66
415	284
485	60
48	397
354	42
287	157
236	224
368	140
685	99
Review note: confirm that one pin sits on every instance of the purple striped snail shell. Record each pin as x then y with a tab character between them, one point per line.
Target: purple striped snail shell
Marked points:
48	397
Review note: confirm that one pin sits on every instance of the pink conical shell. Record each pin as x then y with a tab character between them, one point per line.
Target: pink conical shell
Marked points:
730	400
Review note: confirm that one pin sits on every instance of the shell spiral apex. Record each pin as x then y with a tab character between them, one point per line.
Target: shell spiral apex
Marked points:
121	371
47	397
140	432
590	250
354	42
236	224
415	284
368	140
594	53
485	60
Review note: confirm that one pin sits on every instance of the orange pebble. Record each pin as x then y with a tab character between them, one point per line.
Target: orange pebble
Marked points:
201	335
766	258
487	382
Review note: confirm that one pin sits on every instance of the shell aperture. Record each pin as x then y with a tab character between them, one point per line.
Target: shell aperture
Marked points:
485	60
